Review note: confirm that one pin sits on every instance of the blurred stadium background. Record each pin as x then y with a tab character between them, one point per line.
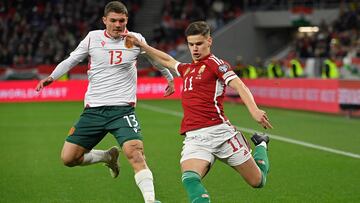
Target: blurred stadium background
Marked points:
301	60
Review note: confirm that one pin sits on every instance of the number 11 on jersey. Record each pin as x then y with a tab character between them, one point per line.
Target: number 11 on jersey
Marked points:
190	84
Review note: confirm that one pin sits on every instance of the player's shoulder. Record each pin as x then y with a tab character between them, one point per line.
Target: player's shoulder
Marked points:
96	32
136	34
217	64
182	65
214	62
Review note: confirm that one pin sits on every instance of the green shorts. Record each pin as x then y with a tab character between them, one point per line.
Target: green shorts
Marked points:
96	122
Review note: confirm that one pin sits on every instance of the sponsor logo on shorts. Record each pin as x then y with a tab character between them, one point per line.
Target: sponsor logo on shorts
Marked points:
262	162
205	195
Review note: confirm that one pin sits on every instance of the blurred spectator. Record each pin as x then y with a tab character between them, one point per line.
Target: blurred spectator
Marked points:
250	72
239	66
274	69
260	67
329	69
296	68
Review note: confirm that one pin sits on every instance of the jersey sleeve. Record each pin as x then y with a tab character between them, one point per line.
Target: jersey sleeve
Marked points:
164	71
180	68
82	50
223	70
76	56
142	39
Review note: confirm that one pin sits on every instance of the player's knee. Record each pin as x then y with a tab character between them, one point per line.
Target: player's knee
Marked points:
256	182
134	152
136	157
259	181
69	161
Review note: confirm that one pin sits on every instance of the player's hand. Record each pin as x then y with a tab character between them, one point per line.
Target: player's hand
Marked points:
130	40
43	83
170	89
261	117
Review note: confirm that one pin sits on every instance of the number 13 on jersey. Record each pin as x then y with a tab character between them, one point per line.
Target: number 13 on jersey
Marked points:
115	57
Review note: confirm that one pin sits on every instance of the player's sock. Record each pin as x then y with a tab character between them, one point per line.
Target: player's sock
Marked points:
144	180
261	159
195	190
95	156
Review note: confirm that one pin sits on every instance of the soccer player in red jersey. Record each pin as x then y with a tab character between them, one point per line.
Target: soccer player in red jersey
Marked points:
208	133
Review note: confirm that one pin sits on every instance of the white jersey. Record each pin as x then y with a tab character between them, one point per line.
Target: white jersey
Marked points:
112	70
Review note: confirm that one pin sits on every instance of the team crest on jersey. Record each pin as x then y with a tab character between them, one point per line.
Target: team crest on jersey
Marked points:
187	71
223	68
102	43
202	69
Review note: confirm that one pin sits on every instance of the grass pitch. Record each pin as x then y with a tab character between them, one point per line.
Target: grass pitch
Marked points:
32	135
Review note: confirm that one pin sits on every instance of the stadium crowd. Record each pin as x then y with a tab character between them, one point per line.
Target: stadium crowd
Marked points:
36	32
177	14
334	50
337	39
44	32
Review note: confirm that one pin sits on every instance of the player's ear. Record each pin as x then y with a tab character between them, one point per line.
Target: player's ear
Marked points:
209	41
104	20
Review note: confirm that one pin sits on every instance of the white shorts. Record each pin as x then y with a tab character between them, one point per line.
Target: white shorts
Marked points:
221	142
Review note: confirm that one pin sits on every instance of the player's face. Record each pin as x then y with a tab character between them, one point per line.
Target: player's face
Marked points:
115	23
199	46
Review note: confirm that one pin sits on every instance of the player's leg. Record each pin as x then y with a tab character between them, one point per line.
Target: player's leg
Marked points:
126	129
86	134
260	155
134	151
196	160
192	172
253	170
250	172
74	155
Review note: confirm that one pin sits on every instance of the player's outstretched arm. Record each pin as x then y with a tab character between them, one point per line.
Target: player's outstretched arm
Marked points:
248	99
60	70
161	57
43	83
170	89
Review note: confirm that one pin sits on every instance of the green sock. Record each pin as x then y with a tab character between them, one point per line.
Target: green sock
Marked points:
261	159
195	190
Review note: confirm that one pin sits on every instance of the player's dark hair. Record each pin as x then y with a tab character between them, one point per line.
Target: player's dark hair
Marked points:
198	28
116	7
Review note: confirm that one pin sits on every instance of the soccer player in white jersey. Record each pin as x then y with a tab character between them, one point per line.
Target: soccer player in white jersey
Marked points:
209	135
109	101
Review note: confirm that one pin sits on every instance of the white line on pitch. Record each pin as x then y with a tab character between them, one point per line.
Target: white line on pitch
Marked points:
248	130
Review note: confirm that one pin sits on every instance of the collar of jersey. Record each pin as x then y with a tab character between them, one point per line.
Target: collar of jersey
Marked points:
110	37
205	58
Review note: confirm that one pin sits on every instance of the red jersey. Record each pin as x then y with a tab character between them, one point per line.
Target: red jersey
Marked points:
203	92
